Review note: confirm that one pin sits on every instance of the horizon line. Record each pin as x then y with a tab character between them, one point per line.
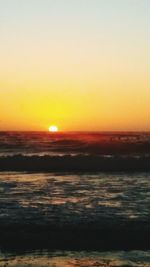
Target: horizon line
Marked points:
80	131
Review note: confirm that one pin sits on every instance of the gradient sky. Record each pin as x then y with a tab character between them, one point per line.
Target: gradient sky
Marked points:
79	64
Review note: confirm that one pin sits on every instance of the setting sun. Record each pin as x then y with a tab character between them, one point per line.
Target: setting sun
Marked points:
53	128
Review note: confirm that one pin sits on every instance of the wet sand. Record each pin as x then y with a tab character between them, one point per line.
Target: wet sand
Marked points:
76	259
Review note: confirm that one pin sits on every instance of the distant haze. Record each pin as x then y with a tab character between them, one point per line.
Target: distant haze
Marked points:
77	64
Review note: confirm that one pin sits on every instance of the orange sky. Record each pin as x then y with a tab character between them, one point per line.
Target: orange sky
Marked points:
81	65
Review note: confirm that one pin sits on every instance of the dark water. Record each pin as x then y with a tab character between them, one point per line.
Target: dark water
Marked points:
86	201
74	198
98	201
43	143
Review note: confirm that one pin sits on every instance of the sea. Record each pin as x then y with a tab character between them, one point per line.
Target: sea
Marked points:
57	210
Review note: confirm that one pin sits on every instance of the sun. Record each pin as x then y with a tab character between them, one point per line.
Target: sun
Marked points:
53	129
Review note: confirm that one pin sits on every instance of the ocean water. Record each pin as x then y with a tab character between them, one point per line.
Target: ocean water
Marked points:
73	143
74	198
103	215
100	201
